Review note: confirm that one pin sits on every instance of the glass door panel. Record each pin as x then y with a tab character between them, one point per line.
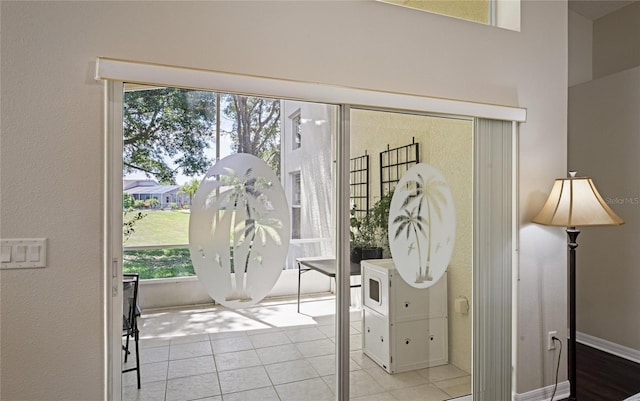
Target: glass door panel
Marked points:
187	179
415	328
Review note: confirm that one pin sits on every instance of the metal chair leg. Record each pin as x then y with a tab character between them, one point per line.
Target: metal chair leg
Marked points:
126	348
137	358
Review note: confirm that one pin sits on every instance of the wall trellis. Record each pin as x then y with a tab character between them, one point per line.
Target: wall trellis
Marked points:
359	184
394	162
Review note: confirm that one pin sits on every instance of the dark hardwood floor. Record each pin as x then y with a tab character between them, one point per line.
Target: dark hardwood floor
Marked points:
605	377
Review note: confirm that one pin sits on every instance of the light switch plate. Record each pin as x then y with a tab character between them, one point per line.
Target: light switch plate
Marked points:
5	253
23	253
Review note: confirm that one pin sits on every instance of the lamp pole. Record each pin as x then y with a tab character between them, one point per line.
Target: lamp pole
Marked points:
575	202
572	232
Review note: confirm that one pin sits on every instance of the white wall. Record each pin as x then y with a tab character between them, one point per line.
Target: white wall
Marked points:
51	143
580	49
314	161
604	144
603	126
616	41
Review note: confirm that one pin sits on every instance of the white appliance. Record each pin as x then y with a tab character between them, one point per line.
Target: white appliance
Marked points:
404	328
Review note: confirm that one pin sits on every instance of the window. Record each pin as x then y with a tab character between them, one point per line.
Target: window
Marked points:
500	13
296	129
296	190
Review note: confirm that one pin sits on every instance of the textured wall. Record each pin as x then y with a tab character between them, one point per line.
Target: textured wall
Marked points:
51	144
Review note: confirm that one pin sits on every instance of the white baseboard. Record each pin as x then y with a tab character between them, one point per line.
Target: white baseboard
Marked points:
609	347
544	394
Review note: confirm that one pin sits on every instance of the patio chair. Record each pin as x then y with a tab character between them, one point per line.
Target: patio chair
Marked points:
130	314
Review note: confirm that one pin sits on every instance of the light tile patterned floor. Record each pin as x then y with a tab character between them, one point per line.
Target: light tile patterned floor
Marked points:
268	352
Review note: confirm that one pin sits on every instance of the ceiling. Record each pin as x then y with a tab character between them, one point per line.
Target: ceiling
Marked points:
594	9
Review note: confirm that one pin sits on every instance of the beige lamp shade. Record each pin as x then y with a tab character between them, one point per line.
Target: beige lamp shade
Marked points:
575	202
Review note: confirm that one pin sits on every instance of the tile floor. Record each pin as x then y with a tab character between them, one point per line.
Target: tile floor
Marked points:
268	352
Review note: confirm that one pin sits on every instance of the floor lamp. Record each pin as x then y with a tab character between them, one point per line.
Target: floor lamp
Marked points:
575	202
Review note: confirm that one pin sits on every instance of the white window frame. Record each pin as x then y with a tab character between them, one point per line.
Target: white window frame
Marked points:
296	130
296	200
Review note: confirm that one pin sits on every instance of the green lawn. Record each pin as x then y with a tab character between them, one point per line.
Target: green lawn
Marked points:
159	227
158	263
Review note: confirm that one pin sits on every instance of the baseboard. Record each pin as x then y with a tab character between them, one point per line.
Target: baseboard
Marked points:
609	347
544	394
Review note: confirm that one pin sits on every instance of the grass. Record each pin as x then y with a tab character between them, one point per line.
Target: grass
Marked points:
159	227
158	263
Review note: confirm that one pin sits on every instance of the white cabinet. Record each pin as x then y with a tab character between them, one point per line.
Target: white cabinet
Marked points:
404	328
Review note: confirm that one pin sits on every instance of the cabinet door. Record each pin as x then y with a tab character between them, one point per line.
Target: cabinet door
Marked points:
375	338
420	343
375	284
408	303
438	298
411	303
438	341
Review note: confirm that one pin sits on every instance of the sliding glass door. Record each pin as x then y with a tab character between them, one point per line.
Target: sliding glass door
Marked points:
416	316
339	166
235	191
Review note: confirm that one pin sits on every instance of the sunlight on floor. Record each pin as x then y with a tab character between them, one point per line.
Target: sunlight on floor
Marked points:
268	352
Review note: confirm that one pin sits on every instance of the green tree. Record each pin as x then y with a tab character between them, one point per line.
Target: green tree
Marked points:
190	188
128	226
167	130
256	127
127	201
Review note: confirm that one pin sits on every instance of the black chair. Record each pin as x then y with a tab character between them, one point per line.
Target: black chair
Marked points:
130	314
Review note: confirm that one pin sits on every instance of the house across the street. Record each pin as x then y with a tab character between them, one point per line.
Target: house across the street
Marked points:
150	189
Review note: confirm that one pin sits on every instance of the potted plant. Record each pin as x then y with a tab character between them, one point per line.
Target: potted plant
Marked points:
369	239
364	241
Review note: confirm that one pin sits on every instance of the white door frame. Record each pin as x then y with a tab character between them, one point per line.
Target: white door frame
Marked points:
112	234
115	72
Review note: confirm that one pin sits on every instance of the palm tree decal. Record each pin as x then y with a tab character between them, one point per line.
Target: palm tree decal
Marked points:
411	222
254	234
430	196
239	230
243	220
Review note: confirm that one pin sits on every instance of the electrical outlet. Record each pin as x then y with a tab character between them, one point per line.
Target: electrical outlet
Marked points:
551	345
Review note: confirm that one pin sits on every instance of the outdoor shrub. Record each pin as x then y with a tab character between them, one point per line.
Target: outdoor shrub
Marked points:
127	201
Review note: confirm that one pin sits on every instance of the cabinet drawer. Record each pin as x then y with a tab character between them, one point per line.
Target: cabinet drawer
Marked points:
375	338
